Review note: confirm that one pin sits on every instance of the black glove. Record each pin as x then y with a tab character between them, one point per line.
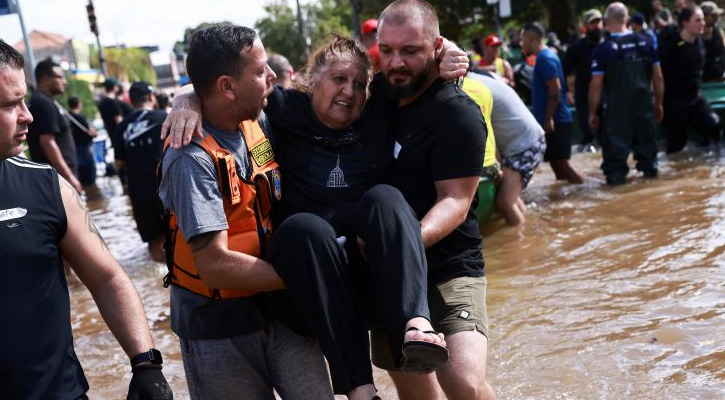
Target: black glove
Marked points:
148	383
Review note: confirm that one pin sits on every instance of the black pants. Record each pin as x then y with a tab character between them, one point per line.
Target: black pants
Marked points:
320	281
581	102
681	113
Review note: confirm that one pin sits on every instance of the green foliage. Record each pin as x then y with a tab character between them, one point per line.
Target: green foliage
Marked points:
130	63
82	89
279	31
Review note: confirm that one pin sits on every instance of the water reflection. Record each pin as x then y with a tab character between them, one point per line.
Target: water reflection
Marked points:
604	293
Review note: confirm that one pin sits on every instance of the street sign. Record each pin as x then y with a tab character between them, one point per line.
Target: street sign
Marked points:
6	8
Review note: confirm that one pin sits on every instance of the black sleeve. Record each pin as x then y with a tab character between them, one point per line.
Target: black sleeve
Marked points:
83	121
45	116
569	63
461	141
124	108
119	145
275	102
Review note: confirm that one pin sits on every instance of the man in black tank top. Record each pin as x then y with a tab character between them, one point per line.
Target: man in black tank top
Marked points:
42	224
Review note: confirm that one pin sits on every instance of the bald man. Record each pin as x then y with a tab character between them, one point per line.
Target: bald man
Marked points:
440	138
625	69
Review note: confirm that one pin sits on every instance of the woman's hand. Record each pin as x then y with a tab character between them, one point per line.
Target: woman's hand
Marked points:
453	61
184	120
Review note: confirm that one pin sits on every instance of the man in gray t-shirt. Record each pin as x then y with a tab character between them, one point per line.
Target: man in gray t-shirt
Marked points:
230	347
520	143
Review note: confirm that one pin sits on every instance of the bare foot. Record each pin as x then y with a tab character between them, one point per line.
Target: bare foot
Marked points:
422	325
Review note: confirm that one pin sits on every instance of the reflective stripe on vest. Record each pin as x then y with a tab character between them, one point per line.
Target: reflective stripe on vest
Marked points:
247	205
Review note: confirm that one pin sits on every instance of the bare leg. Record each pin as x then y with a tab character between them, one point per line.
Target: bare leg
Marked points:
507	197
564	170
364	392
463	377
416	387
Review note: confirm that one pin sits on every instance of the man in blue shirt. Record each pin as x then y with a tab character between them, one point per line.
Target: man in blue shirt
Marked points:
625	68
548	94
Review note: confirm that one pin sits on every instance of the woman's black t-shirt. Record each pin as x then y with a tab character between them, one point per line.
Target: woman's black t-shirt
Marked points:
326	171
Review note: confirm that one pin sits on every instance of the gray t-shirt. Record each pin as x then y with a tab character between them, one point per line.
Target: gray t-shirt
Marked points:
514	125
190	189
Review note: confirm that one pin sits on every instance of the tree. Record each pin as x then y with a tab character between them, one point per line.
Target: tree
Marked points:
279	31
128	63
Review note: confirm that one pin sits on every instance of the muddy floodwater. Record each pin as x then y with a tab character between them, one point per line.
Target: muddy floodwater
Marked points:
605	293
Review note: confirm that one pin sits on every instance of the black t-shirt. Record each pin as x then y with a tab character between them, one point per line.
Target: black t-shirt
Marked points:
441	135
37	360
79	137
682	64
714	56
110	109
323	169
48	119
141	149
578	61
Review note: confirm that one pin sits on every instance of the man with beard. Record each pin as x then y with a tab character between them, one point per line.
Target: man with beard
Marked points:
578	71
440	138
218	193
712	37
44	226
49	137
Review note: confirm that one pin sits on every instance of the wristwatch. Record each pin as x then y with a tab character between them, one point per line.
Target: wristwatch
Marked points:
153	356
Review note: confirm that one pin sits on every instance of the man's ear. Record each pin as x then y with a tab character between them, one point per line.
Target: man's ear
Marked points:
225	85
438	46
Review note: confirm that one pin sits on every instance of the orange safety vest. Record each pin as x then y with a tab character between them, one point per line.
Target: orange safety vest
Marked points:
247	206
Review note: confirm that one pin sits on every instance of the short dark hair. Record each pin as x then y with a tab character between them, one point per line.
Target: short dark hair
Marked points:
73	101
685	14
9	57
535	28
215	51
162	100
44	68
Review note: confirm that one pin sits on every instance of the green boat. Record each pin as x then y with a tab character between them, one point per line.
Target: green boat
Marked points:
486	199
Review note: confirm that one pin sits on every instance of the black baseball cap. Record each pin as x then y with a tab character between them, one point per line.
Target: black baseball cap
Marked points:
139	90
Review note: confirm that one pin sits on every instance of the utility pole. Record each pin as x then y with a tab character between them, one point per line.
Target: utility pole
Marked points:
303	36
94	28
356	7
15	7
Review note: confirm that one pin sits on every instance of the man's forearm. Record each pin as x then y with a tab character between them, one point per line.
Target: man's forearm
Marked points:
595	96
121	308
55	158
659	88
222	268
442	219
552	101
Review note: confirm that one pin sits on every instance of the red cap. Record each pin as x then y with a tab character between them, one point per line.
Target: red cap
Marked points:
369	26
492	40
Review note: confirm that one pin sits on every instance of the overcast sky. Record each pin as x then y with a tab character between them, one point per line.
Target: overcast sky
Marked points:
131	22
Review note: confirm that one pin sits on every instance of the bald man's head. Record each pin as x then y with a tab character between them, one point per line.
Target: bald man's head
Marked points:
617	13
402	12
